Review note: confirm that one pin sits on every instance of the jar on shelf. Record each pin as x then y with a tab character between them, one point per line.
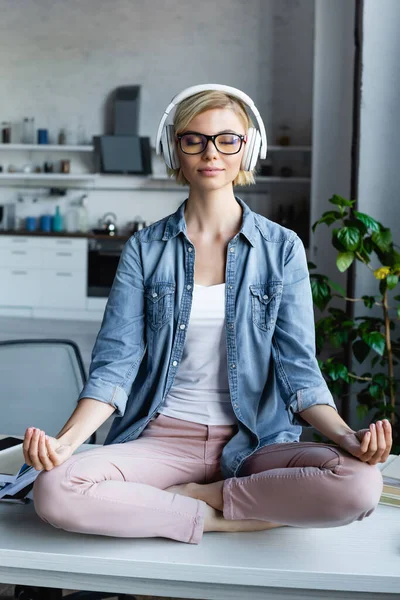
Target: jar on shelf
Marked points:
266	169
62	137
6	132
283	138
28	130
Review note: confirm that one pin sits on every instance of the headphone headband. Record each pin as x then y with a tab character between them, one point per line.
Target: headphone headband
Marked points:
214	87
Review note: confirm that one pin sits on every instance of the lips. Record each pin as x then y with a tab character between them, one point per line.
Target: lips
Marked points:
210	170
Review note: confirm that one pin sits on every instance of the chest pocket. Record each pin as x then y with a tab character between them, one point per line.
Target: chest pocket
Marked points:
265	299
159	303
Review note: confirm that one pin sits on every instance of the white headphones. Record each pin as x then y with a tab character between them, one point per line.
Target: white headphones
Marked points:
256	145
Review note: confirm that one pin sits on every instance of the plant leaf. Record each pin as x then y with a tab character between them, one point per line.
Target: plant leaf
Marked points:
375	390
361	350
321	293
328	218
382	239
339	201
344	260
350	237
392	281
337	371
311	265
367	220
369	301
337	287
362	410
375	340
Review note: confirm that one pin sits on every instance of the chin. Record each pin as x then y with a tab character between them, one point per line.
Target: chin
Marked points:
212	183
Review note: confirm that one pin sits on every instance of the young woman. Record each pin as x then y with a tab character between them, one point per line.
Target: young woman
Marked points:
206	354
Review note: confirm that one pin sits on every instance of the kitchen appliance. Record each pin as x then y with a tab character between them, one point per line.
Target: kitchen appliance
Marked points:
122	154
126	110
103	259
107	225
8	217
124	151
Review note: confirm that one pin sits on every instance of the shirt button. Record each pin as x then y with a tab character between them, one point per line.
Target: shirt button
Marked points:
190	249
265	297
233	366
174	363
154	295
230	287
188	287
230	325
182	326
231	249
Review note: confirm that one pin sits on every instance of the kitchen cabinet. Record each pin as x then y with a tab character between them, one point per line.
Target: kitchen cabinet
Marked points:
40	272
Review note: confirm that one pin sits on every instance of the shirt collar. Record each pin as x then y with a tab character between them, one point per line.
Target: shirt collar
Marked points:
176	223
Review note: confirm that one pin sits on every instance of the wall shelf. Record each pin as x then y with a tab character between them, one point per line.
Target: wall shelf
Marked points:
289	148
47	147
47	176
126	182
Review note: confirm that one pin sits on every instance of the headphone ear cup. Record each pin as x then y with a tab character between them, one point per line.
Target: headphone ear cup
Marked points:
248	150
256	151
169	147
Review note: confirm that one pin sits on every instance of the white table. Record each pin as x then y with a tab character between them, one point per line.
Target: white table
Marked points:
285	563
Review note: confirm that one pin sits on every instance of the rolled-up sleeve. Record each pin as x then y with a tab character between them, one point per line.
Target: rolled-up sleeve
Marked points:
299	377
120	344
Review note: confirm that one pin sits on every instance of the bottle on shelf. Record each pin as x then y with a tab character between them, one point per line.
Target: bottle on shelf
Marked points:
6	132
83	214
57	220
28	130
62	137
283	138
72	218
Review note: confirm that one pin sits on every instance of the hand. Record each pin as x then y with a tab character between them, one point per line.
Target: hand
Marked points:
370	445
44	452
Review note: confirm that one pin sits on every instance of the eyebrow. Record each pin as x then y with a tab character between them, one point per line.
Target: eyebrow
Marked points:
199	133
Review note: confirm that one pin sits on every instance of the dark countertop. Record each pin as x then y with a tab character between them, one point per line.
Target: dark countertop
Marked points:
88	234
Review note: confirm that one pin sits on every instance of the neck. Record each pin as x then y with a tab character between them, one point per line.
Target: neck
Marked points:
213	213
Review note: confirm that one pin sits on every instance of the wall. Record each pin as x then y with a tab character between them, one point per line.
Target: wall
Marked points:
59	61
379	175
332	120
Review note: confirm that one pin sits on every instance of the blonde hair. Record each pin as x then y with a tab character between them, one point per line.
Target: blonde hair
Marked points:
189	108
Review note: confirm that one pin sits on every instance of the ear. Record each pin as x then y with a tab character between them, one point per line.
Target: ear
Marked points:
169	148
248	150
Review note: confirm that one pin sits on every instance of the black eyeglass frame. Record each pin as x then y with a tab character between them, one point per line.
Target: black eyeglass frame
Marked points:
243	139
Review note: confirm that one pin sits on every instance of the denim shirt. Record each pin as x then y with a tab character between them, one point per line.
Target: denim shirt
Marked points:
269	323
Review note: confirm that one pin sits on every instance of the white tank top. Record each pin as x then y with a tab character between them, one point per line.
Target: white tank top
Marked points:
200	392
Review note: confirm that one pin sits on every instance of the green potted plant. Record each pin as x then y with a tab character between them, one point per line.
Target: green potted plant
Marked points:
372	337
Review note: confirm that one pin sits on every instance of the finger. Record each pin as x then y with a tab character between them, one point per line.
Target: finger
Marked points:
387	427
365	442
26	444
380	443
42	452
53	456
373	444
33	450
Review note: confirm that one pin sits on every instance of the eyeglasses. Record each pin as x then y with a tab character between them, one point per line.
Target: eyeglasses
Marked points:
192	142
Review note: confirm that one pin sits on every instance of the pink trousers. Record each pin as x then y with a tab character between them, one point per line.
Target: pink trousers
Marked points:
117	490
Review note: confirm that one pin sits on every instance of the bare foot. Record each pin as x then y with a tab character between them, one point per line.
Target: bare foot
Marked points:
214	521
211	493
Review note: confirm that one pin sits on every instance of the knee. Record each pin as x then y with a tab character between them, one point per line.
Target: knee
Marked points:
49	497
362	496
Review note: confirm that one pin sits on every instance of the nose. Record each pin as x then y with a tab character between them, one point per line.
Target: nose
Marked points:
210	151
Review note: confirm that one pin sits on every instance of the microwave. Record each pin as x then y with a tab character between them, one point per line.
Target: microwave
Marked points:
8	217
